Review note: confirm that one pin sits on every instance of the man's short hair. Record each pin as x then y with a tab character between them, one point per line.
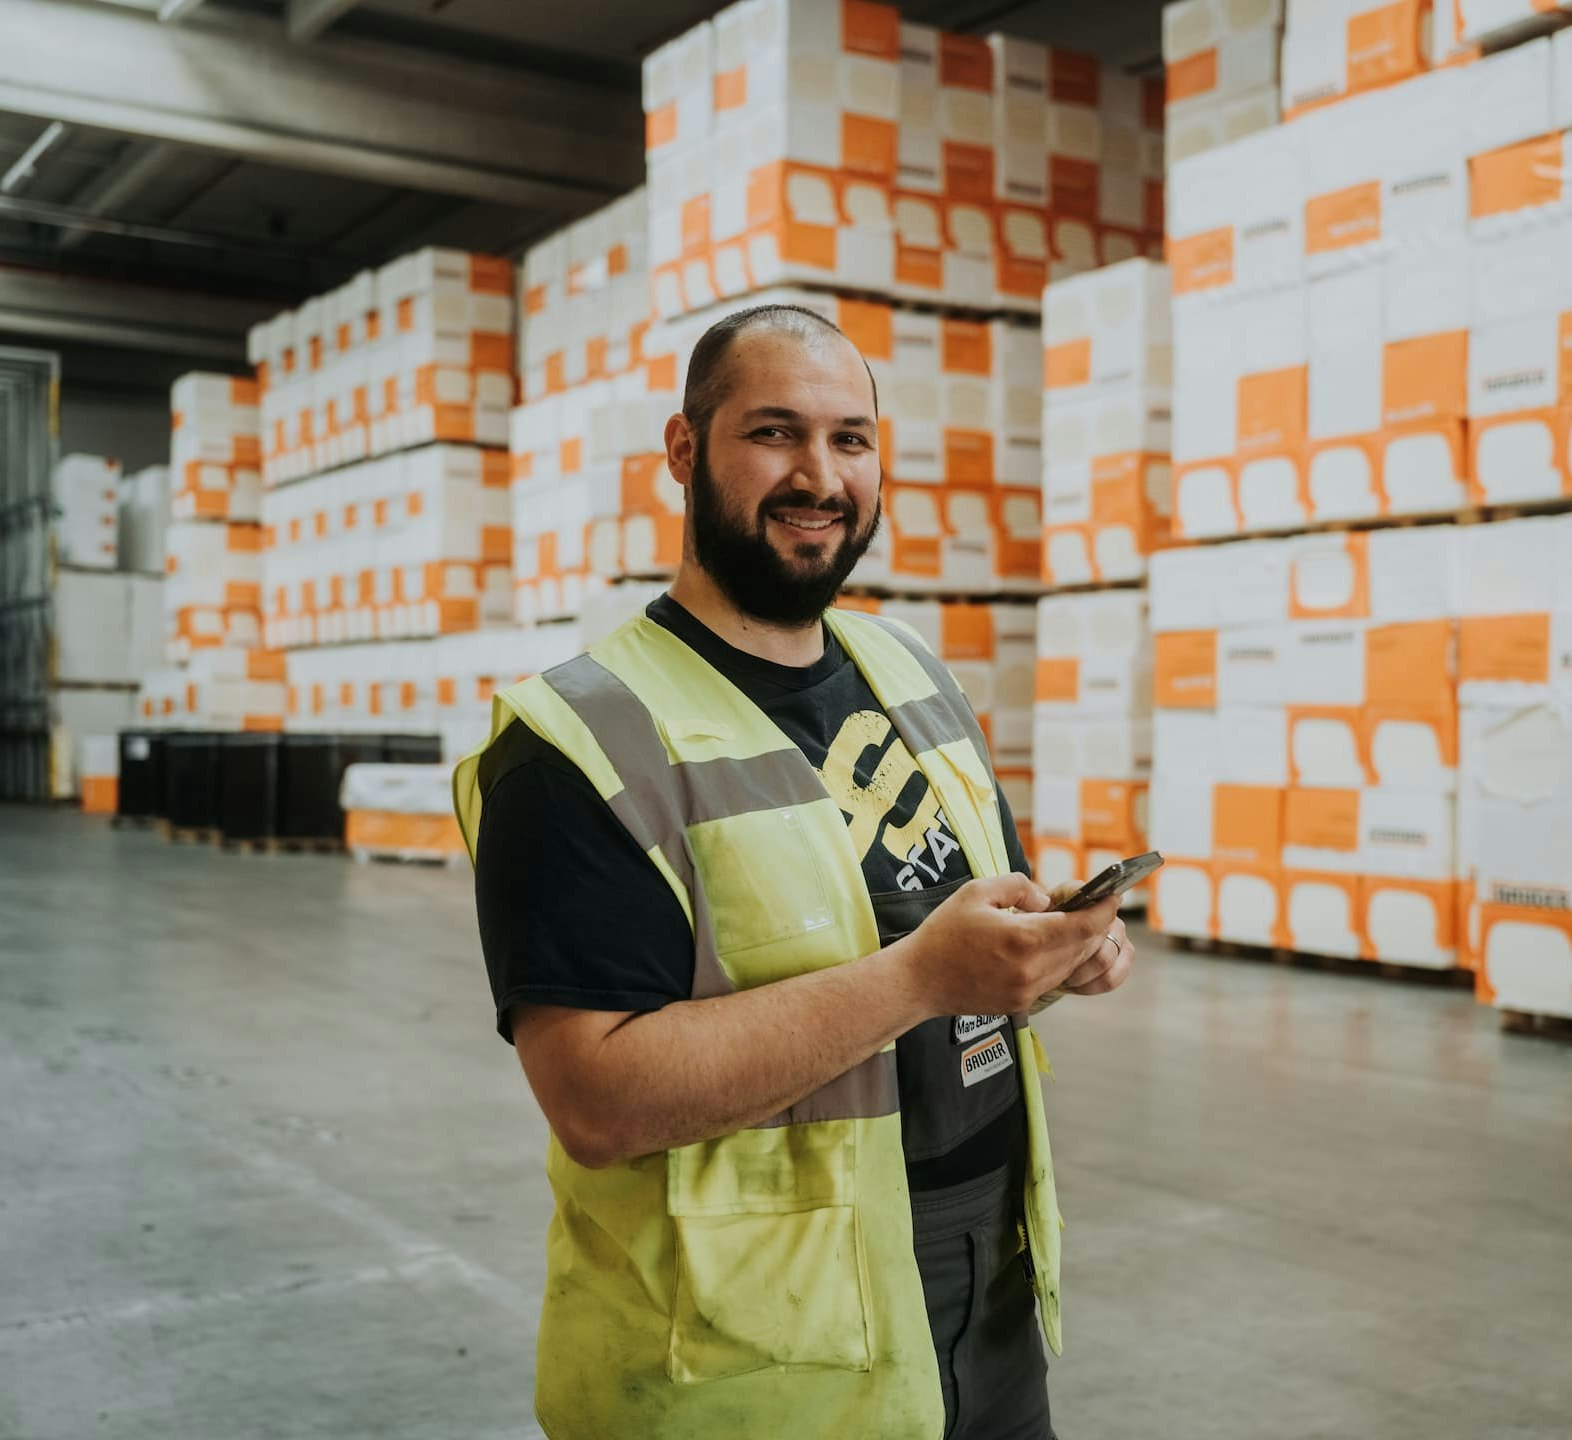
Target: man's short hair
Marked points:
709	383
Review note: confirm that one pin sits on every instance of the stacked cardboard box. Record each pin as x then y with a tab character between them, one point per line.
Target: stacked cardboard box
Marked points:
824	142
1221	71
416	543
1438	205
418	351
145	508
1306	743
215	453
1515	762
1092	733
230	688
1107	395
86	492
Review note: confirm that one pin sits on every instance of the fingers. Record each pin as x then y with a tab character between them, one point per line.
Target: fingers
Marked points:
1018	892
1100	979
1060	893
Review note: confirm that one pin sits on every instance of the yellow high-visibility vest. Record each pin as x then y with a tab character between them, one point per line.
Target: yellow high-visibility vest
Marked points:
760	1284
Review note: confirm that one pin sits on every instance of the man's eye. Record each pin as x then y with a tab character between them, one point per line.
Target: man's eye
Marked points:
767	432
851	437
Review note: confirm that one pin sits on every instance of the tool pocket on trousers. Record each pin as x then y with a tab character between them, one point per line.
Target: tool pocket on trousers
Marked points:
771	1269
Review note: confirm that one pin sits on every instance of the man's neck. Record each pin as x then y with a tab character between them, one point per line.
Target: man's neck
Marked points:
702	598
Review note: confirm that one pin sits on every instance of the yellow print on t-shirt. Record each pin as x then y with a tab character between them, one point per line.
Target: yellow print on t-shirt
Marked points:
922	842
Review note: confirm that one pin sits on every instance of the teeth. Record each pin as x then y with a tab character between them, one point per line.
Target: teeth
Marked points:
805	524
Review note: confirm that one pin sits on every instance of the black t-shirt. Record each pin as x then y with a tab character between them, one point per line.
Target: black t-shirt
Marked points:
573	912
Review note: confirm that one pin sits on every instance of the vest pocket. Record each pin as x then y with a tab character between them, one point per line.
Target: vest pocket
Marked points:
762	877
771	1267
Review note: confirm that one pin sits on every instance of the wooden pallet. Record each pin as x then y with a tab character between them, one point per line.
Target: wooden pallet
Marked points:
285	845
369	854
188	835
1469	515
1530	1022
1328	964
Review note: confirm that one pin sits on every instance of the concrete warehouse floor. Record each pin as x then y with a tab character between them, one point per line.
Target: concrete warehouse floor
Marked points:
265	1170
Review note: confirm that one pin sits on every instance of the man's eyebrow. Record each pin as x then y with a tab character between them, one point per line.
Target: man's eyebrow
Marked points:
785	412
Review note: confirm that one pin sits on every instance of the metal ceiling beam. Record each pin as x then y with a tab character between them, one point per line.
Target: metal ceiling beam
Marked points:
346	107
309	18
27	165
107	191
172	12
69	307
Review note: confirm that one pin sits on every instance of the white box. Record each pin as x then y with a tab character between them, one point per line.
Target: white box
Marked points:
1112	623
1517	567
1509	97
1415	574
1181	817
1424	175
1323	663
1187	743
1207	365
1252	743
1345	353
1199	127
1182	589
1109	326
1107	748
1250	665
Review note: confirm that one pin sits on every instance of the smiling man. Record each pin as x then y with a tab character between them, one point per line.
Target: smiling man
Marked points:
759	927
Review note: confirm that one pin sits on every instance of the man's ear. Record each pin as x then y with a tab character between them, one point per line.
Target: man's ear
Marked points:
681	448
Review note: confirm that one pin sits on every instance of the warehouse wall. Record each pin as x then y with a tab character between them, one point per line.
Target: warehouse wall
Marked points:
132	428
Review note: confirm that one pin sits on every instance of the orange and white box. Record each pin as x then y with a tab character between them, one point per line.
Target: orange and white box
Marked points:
1483	19
1112	326
542	313
217	418
1213	51
1021	256
1272	409
679	91
1107	509
919	154
1125	195
1075	135
1343	467
86	488
213	564
1516	567
1371	831
967	160
1208	125
471	668
1323	913
1392	576
944	249
1101	747
910	403
1424	176
823	75
1515	659
1515	804
99	779
1510	97
1333	49
1020	120
1520	365
1525	959
1093	657
968	368
1207	366
1015	403
1236	216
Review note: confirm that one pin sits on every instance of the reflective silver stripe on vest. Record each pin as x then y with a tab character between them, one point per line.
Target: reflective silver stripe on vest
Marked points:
648	805
864	1092
938	719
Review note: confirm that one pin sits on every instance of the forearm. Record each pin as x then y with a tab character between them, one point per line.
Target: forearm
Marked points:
703	1068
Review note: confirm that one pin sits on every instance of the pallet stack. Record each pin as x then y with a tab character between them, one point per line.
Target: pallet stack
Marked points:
1106	388
1367	325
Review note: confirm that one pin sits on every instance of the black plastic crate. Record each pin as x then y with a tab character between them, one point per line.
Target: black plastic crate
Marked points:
192	798
413	749
141	774
248	786
310	768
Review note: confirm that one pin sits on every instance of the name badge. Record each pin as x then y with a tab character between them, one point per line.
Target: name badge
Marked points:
987	1057
969	1027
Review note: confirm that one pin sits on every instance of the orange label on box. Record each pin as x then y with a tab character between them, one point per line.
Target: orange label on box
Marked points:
1443	898
921	268
965	348
1073	187
1108	814
695	225
870	29
968	172
660	126
1505	647
1247	824
1194	75
1067	364
535	300
1438	717
1410	663
1202	262
1343	218
1384	44
1118	494
1074	78
1185	669
968	457
870	326
1273	408
1357	606
731	88
1516	177
1564	386
1425	377
1058	682
965	62
1350	717
1322	819
965	632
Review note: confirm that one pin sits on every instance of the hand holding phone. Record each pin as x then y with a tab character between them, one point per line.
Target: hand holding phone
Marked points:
1118	878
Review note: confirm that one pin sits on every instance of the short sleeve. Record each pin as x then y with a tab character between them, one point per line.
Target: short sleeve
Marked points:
572	912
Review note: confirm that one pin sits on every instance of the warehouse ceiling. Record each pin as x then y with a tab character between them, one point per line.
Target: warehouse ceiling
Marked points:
249	153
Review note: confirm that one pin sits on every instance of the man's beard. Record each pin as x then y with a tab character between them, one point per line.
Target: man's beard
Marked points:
751	573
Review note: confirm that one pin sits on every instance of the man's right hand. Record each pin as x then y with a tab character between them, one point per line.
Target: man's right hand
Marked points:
995	948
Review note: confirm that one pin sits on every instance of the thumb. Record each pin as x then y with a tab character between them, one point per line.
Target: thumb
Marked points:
1015	891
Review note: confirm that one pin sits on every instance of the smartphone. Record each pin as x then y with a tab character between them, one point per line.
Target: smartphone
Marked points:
1115	880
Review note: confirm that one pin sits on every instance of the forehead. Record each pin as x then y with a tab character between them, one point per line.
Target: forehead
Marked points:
819	372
